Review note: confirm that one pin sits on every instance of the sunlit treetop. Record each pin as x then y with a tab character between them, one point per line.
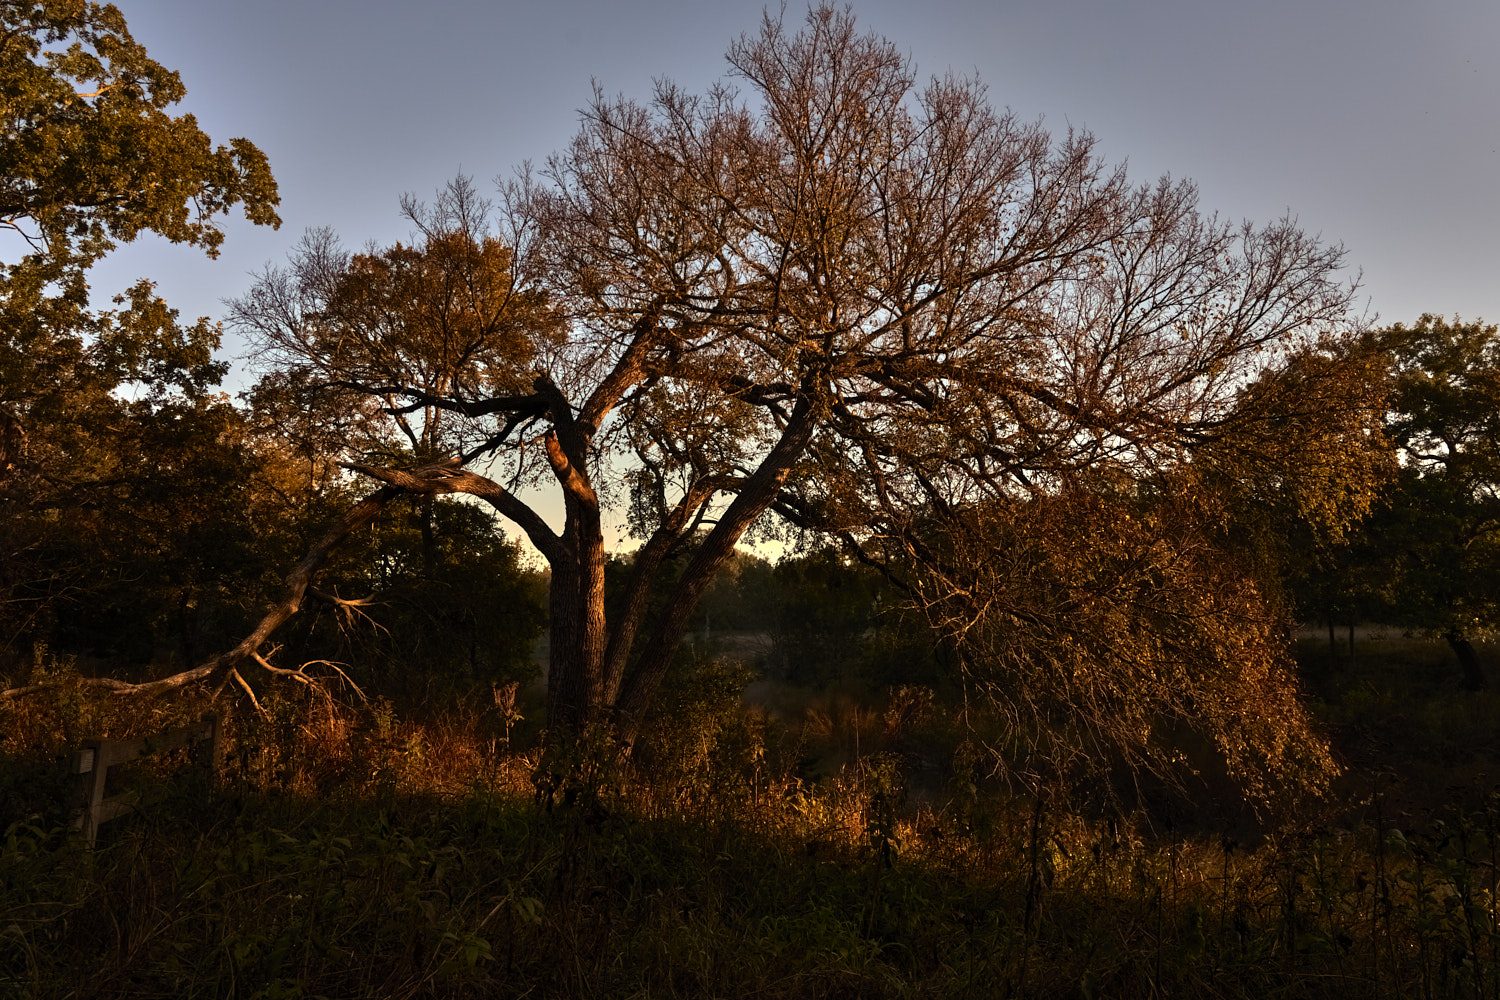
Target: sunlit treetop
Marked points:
91	155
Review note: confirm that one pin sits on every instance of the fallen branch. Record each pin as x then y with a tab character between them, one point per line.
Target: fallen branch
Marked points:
171	683
347	610
301	676
239	679
297	583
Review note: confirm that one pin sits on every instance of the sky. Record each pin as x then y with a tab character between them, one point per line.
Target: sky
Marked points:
1375	123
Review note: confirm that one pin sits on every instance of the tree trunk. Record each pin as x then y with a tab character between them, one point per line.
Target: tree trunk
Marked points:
575	662
429	537
1468	660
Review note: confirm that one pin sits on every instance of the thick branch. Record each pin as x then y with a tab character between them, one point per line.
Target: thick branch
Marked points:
567	444
629	370
448	477
755	496
165	684
643	571
522	406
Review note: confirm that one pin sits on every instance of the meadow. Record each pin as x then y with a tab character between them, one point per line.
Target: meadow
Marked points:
809	843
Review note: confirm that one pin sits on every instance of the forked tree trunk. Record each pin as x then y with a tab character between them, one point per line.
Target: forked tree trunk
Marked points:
592	674
640	685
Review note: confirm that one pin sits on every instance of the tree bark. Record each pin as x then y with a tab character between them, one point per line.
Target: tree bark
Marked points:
1468	660
575	662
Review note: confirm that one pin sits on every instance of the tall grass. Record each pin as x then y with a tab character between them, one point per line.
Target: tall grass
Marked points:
350	852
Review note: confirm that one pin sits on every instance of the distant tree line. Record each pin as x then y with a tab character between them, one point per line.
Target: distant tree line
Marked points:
1427	559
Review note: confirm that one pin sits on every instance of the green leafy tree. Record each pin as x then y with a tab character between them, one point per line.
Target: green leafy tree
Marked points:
1437	539
90	156
160	559
113	445
1307	465
133	499
1428	557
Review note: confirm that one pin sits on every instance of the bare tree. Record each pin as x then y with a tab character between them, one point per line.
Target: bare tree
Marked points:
820	290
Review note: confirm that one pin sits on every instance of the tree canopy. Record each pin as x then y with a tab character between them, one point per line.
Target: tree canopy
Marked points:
91	156
822	290
1429	557
823	297
111	434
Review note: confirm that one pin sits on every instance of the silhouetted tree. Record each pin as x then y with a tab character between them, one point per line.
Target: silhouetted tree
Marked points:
866	305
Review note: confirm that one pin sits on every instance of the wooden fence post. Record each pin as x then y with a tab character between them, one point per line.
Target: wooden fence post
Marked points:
96	758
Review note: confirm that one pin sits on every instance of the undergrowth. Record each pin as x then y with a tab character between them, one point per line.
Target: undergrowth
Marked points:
351	852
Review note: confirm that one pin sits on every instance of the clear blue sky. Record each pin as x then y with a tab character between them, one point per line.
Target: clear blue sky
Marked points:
1375	122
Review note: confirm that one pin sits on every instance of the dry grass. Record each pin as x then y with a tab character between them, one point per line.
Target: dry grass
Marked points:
355	853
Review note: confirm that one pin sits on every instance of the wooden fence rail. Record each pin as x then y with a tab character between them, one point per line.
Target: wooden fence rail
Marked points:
98	756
